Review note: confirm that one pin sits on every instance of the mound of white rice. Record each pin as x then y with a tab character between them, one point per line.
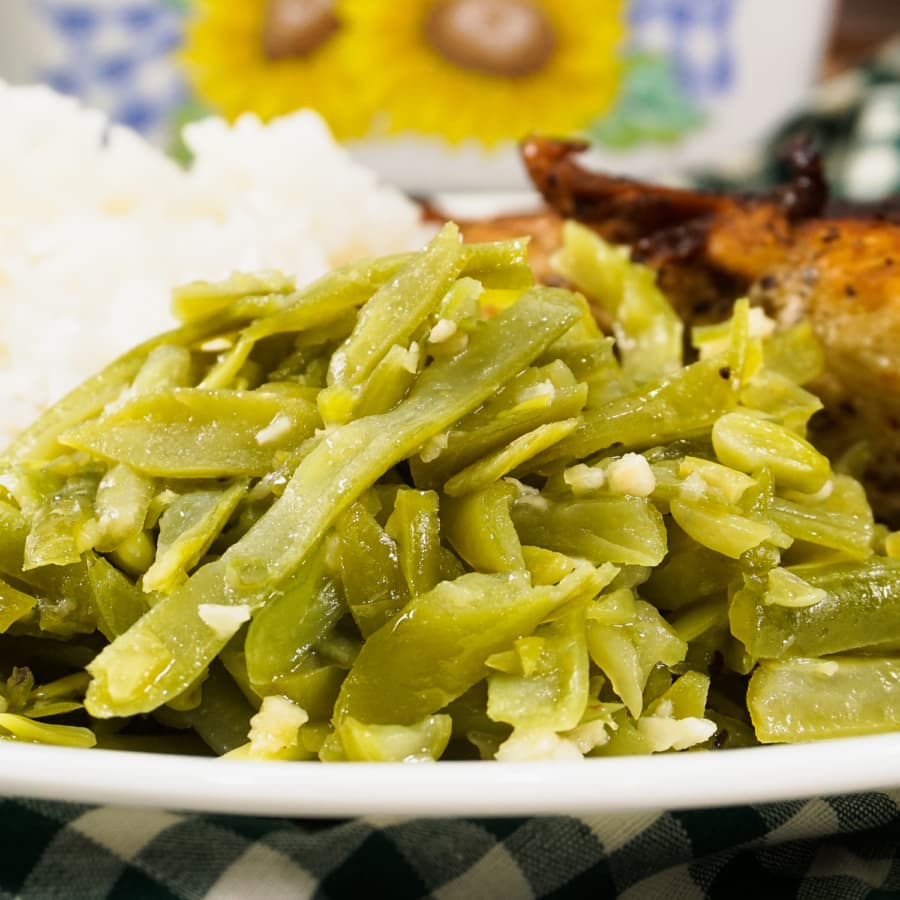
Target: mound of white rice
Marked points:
96	226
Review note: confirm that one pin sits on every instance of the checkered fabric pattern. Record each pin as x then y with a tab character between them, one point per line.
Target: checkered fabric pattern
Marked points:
838	847
117	57
854	119
694	34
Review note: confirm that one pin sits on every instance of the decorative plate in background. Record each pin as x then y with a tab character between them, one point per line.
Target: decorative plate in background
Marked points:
435	93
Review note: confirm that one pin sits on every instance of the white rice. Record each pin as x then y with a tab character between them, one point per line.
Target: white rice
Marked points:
96	226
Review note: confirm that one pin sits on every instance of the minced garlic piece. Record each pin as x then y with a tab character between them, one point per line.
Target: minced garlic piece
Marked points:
631	474
584	479
410	361
667	733
693	487
443	330
224	620
433	447
590	735
538	395
276	726
526	744
279	427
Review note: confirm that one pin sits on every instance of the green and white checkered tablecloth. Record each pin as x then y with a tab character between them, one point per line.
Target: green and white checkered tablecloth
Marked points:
853	118
834	848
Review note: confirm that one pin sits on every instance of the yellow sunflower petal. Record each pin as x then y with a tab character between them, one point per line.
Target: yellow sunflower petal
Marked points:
227	65
400	72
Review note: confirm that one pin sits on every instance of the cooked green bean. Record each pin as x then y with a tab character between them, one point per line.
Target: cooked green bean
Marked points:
196	433
161	655
421	509
811	699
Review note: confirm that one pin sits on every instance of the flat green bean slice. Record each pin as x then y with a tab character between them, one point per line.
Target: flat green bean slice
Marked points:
648	329
14	605
437	647
63	527
374	585
616	529
187	530
199	300
814	699
719	526
421	741
628	639
195	433
682	405
166	366
287	628
487	433
782	399
747	442
119	602
398	309
314	685
388	384
514	456
860	608
850	533
551	690
499	265
21	728
795	353
480	528
121	505
415	527
326	300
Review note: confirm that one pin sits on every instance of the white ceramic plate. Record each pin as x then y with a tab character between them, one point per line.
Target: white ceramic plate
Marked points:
614	785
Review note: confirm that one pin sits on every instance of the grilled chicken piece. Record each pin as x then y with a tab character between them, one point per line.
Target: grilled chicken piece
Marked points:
788	253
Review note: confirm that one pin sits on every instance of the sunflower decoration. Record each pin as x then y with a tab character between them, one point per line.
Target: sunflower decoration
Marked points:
490	69
272	57
455	69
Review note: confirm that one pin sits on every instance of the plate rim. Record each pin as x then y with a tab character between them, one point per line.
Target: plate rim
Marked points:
610	785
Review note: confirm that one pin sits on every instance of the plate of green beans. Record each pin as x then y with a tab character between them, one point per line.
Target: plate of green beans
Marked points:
424	510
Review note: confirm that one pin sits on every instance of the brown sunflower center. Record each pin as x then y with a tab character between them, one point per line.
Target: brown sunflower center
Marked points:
297	27
499	37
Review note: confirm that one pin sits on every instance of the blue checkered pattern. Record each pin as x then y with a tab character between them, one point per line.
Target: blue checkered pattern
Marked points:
694	34
117	56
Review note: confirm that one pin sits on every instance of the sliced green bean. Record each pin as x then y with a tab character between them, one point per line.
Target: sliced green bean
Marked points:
195	433
480	528
612	529
165	651
187	530
860	608
815	699
461	623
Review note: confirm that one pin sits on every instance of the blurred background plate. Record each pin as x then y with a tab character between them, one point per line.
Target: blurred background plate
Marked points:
434	94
